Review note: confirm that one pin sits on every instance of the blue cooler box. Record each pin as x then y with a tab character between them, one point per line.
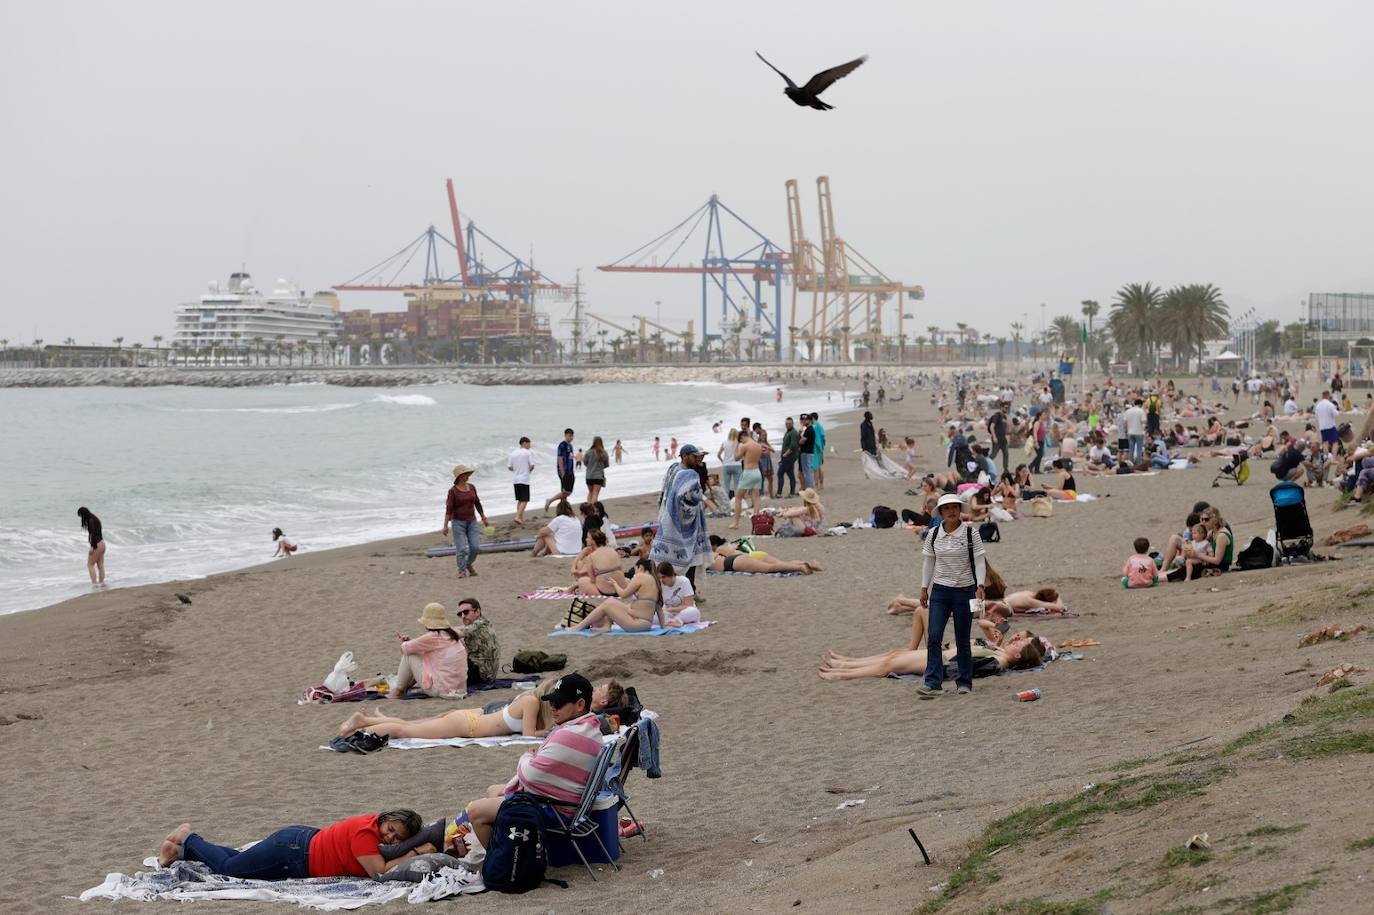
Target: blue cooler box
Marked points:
560	849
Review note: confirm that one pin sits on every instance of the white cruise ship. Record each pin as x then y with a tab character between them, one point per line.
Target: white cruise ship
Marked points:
226	325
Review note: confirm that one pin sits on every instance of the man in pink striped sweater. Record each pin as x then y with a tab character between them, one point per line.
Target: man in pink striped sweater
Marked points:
560	766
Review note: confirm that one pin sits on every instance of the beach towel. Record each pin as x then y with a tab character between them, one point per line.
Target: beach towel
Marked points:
769	574
355	695
688	629
683	539
507	740
191	880
557	594
501	683
881	467
1047	614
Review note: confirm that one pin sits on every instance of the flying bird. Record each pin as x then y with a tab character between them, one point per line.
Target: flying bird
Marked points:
808	96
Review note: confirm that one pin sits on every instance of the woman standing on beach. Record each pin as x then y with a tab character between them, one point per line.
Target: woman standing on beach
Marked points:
765	459
461	511
595	461
95	559
953	572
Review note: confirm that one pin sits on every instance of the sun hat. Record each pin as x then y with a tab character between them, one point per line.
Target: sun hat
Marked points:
435	617
949	498
809	495
460	469
570	688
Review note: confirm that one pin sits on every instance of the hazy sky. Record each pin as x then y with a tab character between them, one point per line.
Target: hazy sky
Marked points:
1002	154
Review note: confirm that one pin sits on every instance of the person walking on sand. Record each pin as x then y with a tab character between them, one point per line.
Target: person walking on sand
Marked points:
95	558
595	461
461	512
953	571
748	452
521	464
565	467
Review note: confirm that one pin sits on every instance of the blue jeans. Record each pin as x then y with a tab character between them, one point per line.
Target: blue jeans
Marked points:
785	470
807	472
1137	448
945	603
467	537
729	476
284	855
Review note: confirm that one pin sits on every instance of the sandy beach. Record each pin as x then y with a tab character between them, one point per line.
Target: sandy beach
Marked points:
125	713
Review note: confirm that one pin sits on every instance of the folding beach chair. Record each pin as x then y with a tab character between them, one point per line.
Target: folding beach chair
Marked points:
582	823
1292	528
620	771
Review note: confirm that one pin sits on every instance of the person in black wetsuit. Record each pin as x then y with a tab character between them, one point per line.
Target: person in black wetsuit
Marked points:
95	559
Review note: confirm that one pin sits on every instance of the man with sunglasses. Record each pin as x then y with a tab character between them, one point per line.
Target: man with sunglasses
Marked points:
479	638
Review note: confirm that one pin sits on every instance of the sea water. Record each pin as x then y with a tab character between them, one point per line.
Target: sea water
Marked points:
190	481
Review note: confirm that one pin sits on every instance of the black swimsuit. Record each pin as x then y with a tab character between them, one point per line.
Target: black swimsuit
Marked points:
730	563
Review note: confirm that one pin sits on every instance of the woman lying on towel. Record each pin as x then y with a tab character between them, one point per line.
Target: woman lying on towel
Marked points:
730	559
1046	599
527	714
994	589
348	848
1018	650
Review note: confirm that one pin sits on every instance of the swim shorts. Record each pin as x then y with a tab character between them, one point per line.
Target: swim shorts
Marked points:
566	482
1331	436
522	492
750	479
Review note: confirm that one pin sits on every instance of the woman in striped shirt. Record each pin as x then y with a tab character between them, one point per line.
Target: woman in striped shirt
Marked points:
953	573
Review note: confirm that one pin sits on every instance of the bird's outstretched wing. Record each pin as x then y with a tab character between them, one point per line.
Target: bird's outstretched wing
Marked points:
785	76
822	80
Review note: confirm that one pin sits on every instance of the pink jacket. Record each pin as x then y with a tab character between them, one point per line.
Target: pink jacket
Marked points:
445	662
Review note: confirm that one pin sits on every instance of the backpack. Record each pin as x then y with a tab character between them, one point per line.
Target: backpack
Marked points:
989	532
517	858
1258	555
761	525
884	516
530	661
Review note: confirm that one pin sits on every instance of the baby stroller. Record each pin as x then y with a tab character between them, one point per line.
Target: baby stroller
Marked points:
1292	530
1238	471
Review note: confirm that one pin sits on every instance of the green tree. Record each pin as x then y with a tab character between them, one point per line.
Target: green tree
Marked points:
1190	316
1017	329
1133	321
1065	333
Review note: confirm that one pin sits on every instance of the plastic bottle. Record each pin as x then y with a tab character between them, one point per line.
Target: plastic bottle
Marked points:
1028	695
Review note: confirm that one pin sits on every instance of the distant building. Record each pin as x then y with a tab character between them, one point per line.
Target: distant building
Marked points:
448	322
1341	316
223	327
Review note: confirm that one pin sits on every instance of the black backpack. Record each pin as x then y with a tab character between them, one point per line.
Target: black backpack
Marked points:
517	858
884	516
1258	555
989	532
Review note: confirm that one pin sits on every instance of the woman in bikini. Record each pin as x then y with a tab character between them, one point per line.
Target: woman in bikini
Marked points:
1007	493
1067	488
597	569
636	606
527	714
730	559
1030	601
1020	649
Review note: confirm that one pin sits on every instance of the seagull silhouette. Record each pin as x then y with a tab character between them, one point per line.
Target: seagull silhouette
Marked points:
808	96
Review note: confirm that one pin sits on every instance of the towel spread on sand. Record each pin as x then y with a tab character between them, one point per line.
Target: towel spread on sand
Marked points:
506	740
191	880
1047	614
881	468
558	594
772	574
687	629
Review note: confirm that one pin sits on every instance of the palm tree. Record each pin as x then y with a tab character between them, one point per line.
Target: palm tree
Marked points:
1001	347
1016	330
1133	319
1190	316
281	346
1090	310
319	347
157	348
136	347
1064	332
260	347
235	335
963	336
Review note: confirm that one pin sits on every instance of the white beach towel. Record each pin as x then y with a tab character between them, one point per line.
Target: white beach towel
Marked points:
421	743
188	880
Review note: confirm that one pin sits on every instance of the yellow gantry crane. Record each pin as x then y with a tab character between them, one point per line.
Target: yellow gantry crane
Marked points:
686	336
842	284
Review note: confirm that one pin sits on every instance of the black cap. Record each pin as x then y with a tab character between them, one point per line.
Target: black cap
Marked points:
570	688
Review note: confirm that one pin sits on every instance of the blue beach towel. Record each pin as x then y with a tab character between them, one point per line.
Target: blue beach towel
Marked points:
656	630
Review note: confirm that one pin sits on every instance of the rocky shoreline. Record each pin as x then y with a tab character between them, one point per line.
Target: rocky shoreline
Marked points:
401	376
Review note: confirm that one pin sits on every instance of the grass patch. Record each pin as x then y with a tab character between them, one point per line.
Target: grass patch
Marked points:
1279	900
1182	855
1275	830
1090	906
1361	844
1317	745
1339	684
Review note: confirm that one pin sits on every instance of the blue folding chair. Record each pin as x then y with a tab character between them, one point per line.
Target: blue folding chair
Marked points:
581	823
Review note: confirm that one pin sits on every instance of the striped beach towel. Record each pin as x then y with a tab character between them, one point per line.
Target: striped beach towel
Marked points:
769	574
558	594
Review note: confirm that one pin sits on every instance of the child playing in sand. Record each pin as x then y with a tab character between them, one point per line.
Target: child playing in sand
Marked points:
284	547
1140	570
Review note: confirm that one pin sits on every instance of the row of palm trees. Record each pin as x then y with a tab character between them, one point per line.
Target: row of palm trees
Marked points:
1143	320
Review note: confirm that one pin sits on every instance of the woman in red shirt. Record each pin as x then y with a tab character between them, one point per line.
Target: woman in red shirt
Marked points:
461	511
348	848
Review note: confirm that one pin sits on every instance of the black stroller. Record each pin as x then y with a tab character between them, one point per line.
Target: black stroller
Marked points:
1237	471
1292	529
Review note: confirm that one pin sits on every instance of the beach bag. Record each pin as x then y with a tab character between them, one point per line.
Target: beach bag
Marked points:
1043	507
1258	555
761	525
989	532
338	681
1029	447
884	517
517	857
577	612
531	661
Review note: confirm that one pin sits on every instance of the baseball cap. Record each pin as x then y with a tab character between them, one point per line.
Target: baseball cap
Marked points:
688	449
570	688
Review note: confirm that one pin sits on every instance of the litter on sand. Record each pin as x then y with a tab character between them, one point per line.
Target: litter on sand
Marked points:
853	802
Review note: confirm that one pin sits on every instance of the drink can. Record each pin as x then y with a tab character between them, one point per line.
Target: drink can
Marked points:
1028	695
